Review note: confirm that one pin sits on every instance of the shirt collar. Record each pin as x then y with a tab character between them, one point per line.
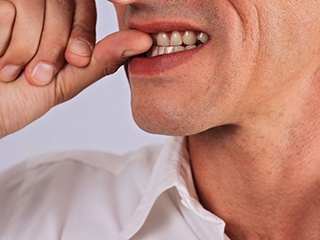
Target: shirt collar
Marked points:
172	169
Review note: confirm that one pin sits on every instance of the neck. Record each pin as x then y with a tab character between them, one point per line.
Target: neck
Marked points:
262	177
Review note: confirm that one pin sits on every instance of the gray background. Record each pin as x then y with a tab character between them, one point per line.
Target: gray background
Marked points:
97	119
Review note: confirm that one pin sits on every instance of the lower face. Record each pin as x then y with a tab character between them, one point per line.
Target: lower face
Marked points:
188	92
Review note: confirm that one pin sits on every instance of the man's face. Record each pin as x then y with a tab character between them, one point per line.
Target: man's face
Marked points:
258	50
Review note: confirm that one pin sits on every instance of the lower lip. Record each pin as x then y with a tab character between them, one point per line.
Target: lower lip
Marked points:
143	66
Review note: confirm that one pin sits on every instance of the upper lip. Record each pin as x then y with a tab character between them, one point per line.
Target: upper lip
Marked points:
163	26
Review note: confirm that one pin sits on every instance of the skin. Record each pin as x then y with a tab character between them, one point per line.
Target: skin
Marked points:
248	103
23	99
37	21
250	107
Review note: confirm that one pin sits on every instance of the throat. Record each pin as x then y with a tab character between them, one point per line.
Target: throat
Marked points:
255	191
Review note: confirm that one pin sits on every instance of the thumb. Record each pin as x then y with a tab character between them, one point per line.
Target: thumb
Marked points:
108	55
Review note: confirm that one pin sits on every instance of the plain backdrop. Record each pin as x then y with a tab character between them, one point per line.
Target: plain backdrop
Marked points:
97	119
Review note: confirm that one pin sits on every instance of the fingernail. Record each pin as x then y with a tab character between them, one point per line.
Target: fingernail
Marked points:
10	72
43	73
80	47
129	53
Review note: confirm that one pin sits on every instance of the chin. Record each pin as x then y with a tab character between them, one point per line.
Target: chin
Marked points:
168	123
157	127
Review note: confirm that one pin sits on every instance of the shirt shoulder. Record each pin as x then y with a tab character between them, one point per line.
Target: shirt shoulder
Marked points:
69	192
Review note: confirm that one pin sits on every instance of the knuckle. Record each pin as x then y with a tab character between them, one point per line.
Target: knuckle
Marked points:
57	47
56	55
7	12
26	53
66	5
52	51
83	28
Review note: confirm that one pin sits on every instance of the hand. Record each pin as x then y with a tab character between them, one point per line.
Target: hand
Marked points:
38	35
22	102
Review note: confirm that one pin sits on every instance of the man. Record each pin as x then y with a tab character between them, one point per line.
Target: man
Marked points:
245	96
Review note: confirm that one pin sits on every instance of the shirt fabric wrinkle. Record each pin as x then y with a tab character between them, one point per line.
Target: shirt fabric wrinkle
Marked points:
95	195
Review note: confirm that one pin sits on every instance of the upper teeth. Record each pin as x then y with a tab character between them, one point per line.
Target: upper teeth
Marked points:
176	42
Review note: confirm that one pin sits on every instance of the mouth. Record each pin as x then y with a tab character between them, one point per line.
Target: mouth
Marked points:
176	41
174	45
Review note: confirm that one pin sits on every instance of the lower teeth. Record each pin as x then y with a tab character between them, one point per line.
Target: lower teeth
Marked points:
160	50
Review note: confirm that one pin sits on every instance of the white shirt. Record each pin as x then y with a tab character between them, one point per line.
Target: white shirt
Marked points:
147	194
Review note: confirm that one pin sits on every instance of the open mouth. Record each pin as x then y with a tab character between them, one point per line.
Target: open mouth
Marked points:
176	41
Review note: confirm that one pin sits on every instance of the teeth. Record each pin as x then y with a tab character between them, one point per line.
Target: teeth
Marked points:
178	49
154	51
189	38
169	50
162	50
203	37
157	51
167	43
162	39
176	39
189	47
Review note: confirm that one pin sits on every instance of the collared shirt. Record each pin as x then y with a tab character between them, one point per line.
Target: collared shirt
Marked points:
147	194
